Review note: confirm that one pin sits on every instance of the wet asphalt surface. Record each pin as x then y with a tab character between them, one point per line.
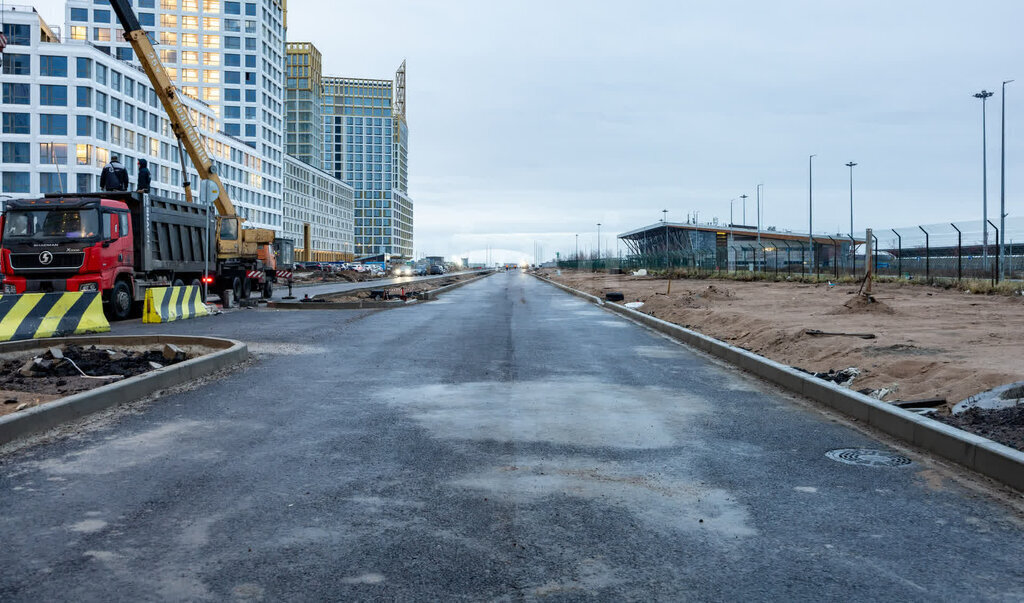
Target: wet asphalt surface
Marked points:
508	441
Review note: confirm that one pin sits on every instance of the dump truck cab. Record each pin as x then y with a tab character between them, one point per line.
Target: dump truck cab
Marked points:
57	244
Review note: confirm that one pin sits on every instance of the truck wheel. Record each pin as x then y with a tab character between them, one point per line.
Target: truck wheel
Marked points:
236	288
120	301
178	283
246	288
196	283
268	290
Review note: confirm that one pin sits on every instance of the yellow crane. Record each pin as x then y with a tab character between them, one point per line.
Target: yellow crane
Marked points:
233	242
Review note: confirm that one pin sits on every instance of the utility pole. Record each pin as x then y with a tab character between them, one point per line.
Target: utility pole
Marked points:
730	210
744	197
664	223
577	250
1002	188
810	206
983	95
850	165
599	240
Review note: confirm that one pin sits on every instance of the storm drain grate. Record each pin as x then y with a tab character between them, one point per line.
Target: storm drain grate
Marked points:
866	456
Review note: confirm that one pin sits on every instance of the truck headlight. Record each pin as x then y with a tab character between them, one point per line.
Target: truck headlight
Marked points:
10	290
88	287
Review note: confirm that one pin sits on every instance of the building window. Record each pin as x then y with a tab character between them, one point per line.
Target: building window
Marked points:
211	76
16	123
84	182
169	21
232	60
190	39
147	19
84	67
16	152
53	153
232	42
211	6
169	4
168	38
101	74
54	124
16	64
233	8
80	14
101	16
211	59
124	53
189	22
53	182
79	32
101	129
190	75
83	96
211	41
101	102
101	34
83	125
17	34
211	24
16	94
211	95
189	57
53	96
16	182
230	77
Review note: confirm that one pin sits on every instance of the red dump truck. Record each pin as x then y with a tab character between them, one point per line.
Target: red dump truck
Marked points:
123	243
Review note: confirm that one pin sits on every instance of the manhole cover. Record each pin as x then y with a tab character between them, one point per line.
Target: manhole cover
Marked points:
865	456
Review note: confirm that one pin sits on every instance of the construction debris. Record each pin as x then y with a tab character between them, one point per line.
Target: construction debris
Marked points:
818	333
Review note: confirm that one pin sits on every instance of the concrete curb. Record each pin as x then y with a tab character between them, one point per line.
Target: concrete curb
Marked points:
428	296
1001	463
48	416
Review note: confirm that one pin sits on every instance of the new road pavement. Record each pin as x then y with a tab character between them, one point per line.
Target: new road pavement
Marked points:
507	442
313	289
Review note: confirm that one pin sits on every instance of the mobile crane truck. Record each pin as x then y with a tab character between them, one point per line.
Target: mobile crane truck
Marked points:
123	243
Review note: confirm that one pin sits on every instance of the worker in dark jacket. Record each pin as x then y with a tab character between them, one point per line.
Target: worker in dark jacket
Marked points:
143	176
114	176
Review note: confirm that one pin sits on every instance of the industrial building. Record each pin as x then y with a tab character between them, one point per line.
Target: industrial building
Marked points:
736	247
315	198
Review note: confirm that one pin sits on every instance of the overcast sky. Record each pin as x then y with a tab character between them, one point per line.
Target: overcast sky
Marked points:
533	121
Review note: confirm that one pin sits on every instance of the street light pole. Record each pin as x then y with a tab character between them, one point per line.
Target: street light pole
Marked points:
810	207
1002	187
730	210
744	197
577	250
983	95
599	240
664	223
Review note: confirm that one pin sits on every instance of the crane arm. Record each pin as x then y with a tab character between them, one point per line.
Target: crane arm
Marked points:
181	123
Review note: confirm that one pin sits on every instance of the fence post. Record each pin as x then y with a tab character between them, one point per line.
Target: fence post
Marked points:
899	250
789	263
853	257
995	273
835	255
959	253
927	255
776	260
876	254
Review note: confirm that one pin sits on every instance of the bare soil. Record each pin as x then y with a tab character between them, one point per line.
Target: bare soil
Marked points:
410	289
350	276
929	342
1005	425
24	380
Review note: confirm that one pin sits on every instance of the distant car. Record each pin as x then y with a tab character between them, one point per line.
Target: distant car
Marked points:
402	270
435	269
420	271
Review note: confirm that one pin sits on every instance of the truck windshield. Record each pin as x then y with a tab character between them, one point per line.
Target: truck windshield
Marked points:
47	224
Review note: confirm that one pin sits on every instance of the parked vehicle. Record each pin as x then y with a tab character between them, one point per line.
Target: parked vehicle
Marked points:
121	244
436	269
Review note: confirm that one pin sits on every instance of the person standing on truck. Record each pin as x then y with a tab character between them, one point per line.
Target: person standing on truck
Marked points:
114	177
143	176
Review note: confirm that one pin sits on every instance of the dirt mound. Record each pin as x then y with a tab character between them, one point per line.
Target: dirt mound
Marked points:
862	304
1005	425
713	293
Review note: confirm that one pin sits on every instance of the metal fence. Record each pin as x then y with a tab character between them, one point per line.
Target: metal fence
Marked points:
931	253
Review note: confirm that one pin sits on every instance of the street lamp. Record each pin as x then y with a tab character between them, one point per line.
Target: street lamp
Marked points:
1002	188
577	250
730	211
810	206
983	95
664	223
599	240
744	197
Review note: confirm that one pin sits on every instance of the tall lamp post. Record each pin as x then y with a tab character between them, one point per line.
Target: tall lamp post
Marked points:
1002	187
810	207
744	197
983	95
664	223
598	240
853	245
577	250
730	210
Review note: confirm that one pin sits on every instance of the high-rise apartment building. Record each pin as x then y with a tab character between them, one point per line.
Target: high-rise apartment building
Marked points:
227	53
67	108
366	142
303	117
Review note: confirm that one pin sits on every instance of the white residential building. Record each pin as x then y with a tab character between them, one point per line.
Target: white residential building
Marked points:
66	107
315	197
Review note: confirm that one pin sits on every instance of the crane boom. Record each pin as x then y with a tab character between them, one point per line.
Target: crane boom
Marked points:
181	123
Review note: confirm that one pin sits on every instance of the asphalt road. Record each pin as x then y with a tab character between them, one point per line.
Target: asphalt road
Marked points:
507	442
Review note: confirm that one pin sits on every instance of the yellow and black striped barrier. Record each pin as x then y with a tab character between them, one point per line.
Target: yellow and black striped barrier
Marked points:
164	304
38	315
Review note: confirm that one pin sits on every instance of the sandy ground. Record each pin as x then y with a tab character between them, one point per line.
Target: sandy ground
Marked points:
930	342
